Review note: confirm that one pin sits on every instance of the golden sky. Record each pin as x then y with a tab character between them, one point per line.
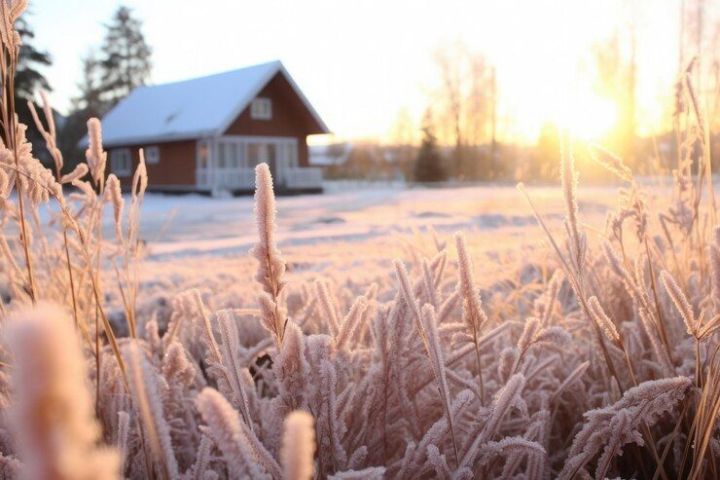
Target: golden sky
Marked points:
362	61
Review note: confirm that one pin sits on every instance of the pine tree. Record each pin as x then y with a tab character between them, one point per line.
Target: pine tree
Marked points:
125	62
90	98
88	103
122	64
29	80
428	166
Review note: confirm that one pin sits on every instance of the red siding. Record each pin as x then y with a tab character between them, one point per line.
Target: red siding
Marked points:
176	166
289	117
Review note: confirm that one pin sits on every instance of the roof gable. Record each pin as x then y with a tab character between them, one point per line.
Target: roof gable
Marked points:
193	108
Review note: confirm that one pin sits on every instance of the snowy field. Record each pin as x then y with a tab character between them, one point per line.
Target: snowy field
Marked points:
196	241
197	225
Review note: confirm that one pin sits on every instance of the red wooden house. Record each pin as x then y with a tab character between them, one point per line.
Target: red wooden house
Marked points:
208	134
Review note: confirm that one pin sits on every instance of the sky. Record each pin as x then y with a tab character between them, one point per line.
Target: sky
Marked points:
361	62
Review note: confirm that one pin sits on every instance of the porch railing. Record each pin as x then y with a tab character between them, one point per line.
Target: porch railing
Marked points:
227	178
244	178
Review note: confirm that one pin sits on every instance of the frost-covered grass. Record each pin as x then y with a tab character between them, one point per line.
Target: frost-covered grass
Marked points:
540	333
476	353
351	238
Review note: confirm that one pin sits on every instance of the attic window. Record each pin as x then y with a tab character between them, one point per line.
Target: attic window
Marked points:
261	109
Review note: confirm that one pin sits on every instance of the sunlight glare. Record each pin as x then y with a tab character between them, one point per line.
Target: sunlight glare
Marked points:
587	117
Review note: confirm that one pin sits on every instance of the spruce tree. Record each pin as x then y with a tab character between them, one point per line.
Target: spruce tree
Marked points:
125	62
122	64
29	80
428	166
82	107
90	98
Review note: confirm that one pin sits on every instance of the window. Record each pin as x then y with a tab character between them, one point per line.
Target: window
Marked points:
289	150
121	162
221	155
203	153
152	155
261	109
241	154
232	160
257	154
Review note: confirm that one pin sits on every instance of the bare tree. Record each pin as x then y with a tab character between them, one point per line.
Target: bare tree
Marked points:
465	106
403	140
450	117
699	43
616	78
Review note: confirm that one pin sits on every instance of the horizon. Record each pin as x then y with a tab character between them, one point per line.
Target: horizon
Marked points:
362	75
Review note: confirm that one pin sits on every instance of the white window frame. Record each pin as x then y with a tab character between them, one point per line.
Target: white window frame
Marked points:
152	155
121	162
238	172
261	109
203	151
286	149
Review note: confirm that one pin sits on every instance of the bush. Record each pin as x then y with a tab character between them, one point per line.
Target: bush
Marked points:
428	166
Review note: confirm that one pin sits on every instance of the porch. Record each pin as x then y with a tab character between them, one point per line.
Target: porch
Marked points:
228	163
242	178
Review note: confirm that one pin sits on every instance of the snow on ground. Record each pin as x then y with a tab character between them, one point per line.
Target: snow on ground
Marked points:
352	236
349	239
196	225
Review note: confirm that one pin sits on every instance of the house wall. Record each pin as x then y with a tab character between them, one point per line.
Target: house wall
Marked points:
177	164
289	117
175	169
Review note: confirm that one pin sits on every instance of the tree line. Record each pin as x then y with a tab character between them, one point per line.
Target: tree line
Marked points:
123	62
462	112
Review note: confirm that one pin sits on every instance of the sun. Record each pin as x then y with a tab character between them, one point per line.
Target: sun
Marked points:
588	117
572	105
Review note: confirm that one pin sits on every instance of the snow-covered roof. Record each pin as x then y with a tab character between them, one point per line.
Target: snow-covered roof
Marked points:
194	108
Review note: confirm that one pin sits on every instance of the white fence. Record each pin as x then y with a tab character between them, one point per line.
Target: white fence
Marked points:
302	177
